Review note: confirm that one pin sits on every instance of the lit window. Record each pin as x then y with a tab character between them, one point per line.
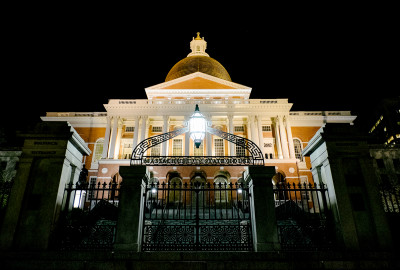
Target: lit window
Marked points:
156	150
298	149
198	151
266	128
156	129
177	147
129	129
239	129
240	150
219	147
98	150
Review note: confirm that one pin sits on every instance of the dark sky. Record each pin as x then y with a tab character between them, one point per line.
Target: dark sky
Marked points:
333	59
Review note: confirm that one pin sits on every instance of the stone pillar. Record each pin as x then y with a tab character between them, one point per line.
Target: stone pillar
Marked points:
113	137
130	209
136	132
260	135
48	154
165	130
290	138
278	139
230	130
264	226
341	153
283	138
106	138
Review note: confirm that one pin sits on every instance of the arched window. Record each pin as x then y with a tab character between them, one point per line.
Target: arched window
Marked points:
221	186
98	150
298	149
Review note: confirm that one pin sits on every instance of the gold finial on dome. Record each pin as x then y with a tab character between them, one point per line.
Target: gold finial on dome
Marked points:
198	36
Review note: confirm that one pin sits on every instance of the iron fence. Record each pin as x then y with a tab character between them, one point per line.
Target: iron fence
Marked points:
197	217
5	191
89	216
303	217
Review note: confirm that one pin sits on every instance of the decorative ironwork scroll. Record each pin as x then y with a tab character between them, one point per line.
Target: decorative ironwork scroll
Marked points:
253	148
143	146
255	157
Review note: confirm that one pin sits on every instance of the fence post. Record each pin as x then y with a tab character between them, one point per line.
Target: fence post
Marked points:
130	208
264	226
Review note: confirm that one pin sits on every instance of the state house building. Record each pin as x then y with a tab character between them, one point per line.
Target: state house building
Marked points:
280	133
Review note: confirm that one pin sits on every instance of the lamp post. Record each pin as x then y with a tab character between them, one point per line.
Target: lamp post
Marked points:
197	127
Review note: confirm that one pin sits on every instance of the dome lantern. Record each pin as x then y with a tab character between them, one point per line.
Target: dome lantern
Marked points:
198	46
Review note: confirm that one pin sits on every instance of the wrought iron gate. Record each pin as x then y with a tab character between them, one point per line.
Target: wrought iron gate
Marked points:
196	217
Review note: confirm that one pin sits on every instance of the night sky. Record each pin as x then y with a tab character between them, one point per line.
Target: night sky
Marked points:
334	59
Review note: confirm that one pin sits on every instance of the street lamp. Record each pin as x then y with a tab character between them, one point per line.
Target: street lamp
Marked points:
197	127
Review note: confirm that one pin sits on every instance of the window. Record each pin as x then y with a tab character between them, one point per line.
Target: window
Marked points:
221	185
219	147
129	129
198	151
266	128
239	128
156	150
156	129
177	147
298	149
92	186
240	150
98	150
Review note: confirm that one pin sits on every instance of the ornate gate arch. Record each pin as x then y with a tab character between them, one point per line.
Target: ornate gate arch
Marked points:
255	158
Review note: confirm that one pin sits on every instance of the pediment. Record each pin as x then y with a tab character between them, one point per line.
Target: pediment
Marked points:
198	80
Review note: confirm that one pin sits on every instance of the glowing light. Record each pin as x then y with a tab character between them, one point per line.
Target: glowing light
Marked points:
197	127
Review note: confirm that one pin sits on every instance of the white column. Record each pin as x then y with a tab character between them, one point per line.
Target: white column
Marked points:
230	130
113	137
283	138
254	134
106	138
248	126
143	128
118	141
290	138
260	135
136	132
165	130
209	142
187	140
278	139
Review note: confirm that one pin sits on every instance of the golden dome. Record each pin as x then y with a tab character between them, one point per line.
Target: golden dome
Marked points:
204	64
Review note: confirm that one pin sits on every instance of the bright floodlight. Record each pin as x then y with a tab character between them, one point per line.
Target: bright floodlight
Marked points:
197	127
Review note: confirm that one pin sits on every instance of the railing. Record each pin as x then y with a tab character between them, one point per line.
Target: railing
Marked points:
5	191
197	217
89	217
390	195
303	217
